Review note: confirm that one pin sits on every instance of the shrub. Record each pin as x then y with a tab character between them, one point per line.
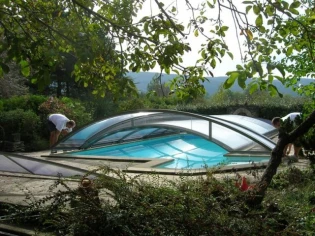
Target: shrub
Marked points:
71	108
132	104
27	123
77	111
286	178
155	205
26	102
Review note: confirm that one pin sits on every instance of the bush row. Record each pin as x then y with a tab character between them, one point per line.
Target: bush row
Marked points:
260	111
27	115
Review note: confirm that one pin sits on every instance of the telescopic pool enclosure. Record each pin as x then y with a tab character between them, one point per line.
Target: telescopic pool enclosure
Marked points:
238	135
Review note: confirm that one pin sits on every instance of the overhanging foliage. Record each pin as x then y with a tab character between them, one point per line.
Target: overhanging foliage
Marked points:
107	38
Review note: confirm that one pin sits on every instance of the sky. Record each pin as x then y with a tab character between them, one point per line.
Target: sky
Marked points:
184	15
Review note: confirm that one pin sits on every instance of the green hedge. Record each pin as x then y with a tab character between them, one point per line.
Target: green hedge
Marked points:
261	111
26	102
24	110
26	123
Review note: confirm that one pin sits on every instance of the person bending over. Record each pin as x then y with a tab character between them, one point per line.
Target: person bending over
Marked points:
276	122
57	124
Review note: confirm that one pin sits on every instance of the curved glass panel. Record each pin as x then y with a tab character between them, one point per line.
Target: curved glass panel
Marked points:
251	137
258	125
225	136
133	134
79	138
114	137
140	133
232	132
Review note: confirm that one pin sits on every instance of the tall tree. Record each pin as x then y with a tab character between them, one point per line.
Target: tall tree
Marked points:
157	87
36	32
13	83
37	35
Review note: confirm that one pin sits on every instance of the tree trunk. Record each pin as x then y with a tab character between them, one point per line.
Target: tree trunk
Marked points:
59	87
258	193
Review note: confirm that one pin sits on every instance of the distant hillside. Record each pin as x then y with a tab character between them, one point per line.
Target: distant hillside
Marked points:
142	80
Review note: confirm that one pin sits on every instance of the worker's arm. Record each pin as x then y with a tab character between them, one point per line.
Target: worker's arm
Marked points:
57	133
64	132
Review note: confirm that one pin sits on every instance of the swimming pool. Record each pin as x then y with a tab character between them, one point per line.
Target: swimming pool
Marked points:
185	151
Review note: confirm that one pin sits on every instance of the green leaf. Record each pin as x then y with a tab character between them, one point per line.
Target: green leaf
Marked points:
248	9
167	70
295	4
281	69
259	20
231	79
230	54
253	88
146	27
285	5
213	63
269	10
210	5
270	22
134	69
279	78
294	11
196	33
224	28
257	66
239	67
153	65
203	54
262	29
249	34
25	68
263	85
241	82
273	91
256	9
270	67
289	51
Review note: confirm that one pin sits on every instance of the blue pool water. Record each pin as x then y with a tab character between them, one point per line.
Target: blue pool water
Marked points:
187	151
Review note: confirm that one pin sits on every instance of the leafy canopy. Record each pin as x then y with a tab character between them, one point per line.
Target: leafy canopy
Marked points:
107	38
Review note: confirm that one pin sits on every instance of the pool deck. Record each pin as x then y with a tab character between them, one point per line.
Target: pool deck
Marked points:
23	188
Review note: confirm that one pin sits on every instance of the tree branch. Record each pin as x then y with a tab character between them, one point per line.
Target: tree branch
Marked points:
276	157
169	18
112	23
